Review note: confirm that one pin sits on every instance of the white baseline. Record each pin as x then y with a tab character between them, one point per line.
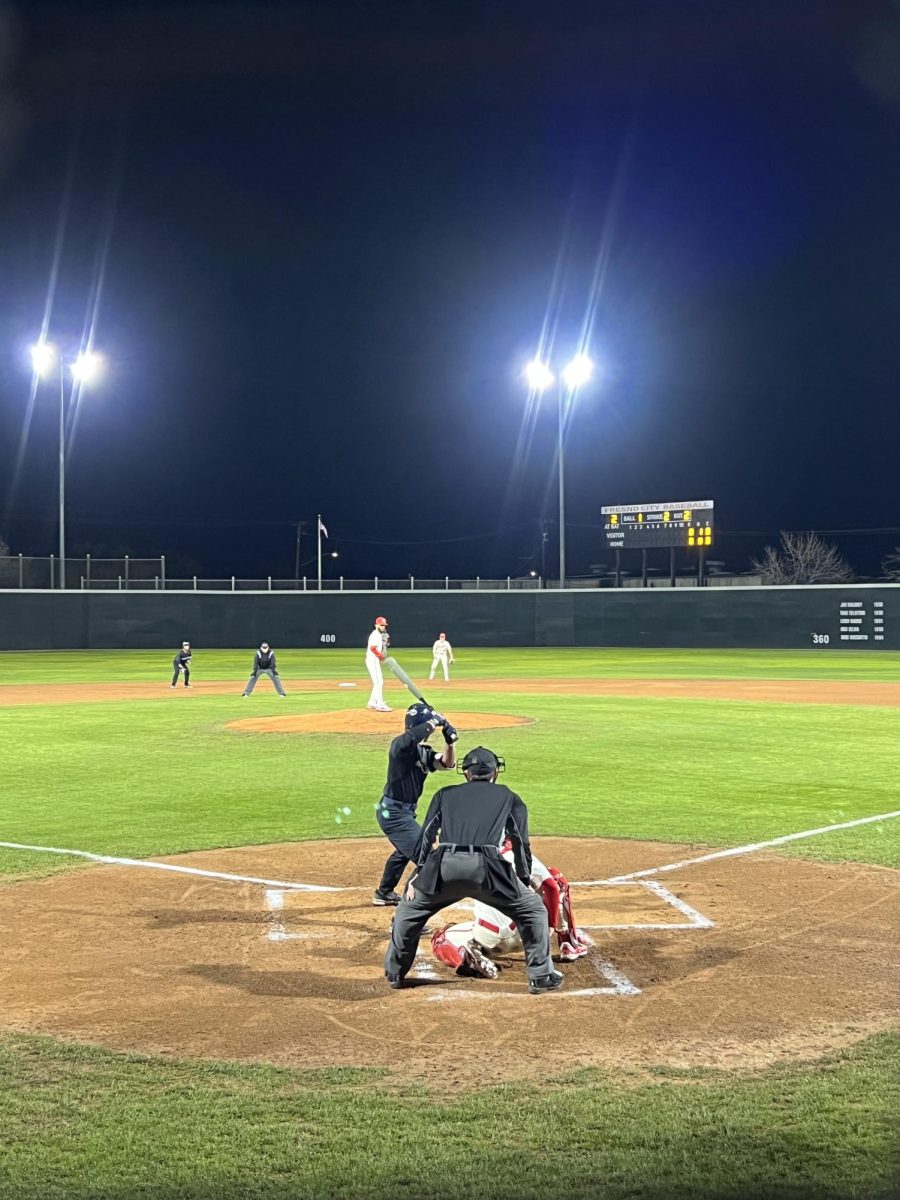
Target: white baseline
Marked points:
736	851
150	865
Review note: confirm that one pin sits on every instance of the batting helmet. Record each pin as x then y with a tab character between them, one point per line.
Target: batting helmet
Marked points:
417	714
481	763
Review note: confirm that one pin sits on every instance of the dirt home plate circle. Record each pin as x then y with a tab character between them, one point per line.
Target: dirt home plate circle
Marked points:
763	959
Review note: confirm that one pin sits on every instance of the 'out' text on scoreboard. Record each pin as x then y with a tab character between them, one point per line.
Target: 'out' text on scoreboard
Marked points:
649	526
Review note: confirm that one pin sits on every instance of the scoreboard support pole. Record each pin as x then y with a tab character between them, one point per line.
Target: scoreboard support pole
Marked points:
644	566
700	579
618	567
671	566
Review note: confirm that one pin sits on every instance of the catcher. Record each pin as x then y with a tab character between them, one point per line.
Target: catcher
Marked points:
468	946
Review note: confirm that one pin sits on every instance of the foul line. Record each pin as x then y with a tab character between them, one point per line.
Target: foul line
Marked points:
737	850
159	866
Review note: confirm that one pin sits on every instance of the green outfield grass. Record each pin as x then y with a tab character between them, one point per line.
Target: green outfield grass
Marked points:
157	776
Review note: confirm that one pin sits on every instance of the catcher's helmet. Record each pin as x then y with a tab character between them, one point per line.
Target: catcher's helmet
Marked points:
481	763
417	714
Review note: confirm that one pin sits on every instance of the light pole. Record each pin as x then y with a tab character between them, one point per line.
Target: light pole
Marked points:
84	366
574	376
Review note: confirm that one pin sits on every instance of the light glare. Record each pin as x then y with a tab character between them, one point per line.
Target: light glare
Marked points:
43	358
578	372
539	375
87	366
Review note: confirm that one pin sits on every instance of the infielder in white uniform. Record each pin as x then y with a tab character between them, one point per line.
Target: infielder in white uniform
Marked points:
442	652
469	946
378	642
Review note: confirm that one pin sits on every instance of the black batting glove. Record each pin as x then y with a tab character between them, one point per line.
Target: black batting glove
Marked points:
450	734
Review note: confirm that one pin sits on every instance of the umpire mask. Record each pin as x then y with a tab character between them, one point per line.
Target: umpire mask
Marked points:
481	763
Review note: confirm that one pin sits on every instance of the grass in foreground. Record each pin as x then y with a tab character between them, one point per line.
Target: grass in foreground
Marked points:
79	1123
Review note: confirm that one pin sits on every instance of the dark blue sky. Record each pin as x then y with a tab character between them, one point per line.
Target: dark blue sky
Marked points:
333	231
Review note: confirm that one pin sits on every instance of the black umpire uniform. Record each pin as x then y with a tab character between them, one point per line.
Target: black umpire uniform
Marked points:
474	820
264	664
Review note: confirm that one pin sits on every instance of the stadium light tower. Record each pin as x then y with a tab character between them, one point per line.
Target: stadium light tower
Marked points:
85	367
573	376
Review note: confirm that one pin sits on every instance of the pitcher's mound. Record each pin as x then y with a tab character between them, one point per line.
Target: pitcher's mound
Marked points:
365	720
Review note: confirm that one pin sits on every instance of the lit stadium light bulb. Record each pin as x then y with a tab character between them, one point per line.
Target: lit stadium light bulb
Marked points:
87	366
43	358
539	375
578	372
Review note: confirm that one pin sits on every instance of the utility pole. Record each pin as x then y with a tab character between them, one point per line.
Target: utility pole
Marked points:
301	525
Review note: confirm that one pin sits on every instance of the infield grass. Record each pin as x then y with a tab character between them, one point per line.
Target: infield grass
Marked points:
146	777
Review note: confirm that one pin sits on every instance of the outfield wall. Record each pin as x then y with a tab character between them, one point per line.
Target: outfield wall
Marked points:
864	617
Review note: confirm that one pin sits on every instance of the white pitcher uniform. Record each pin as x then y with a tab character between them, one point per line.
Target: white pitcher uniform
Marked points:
374	656
441	653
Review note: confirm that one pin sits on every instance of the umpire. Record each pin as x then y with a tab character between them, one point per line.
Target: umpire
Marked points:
473	820
264	664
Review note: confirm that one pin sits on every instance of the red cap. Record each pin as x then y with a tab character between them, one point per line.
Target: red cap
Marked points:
381	620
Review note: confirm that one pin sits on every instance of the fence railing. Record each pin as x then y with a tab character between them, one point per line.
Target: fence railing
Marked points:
149	575
270	584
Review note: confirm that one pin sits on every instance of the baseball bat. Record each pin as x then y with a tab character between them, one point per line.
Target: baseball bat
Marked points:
397	670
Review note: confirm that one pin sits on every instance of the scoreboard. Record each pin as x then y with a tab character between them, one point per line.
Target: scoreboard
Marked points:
650	526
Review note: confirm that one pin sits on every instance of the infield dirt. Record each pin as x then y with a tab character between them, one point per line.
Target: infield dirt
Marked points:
802	958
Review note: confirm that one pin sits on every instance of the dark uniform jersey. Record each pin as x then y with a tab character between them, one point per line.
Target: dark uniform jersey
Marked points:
264	660
409	762
480	814
181	659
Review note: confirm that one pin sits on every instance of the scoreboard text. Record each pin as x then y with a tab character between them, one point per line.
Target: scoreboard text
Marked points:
649	526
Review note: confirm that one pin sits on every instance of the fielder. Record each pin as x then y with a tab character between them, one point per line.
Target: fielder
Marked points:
264	664
469	946
410	760
441	652
182	665
376	653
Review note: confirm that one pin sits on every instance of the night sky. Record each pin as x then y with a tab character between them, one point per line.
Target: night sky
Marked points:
318	242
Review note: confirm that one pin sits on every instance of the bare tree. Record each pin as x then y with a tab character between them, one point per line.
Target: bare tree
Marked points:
803	558
890	564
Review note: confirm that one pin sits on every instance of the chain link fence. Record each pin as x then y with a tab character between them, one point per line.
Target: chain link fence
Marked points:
26	571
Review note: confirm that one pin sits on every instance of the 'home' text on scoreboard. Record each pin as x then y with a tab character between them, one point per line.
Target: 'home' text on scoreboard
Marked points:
648	526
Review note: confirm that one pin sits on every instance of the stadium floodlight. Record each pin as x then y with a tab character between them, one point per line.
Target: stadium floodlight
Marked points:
575	375
578	372
46	360
539	375
87	366
44	356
